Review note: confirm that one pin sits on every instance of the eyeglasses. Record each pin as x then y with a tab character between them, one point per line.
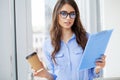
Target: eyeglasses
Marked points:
64	14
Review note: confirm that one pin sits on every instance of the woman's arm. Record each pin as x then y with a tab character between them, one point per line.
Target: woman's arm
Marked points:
100	64
98	70
43	74
49	63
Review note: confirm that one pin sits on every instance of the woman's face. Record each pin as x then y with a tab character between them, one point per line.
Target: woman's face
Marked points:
66	16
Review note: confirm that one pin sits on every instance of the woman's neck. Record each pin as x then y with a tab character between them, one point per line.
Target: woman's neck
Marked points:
66	35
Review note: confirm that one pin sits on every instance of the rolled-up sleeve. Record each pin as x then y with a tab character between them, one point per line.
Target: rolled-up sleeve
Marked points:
93	74
48	60
97	75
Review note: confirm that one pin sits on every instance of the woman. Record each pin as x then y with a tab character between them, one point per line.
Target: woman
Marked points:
64	48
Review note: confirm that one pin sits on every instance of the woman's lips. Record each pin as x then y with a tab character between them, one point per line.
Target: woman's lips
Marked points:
67	23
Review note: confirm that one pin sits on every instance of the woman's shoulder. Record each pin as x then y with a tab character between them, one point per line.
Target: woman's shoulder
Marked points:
47	42
47	46
88	34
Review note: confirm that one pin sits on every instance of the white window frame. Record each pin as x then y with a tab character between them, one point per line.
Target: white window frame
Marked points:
23	36
90	11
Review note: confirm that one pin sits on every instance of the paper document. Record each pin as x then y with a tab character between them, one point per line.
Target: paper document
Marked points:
95	47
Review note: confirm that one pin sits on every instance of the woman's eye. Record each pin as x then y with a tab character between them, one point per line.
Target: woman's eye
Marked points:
63	13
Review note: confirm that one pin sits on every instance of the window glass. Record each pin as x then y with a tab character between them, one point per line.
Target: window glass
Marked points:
41	20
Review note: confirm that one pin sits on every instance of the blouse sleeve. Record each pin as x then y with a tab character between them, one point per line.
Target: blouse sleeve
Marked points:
93	74
48	59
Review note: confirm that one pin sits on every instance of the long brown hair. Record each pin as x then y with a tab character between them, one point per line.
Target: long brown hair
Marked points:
56	31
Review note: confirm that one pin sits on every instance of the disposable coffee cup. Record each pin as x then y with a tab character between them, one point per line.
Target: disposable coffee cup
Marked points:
34	61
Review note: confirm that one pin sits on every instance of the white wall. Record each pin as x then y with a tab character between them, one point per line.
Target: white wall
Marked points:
111	19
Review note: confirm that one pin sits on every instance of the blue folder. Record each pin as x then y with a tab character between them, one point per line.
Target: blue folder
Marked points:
94	49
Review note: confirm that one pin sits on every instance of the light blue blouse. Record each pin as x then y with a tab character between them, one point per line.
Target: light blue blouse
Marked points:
68	60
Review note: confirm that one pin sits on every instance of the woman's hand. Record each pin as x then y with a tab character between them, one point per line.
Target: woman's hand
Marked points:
43	74
100	64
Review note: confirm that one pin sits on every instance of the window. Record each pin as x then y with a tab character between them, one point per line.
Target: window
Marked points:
41	20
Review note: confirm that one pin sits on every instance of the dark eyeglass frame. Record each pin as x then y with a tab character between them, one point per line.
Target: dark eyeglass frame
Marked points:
64	14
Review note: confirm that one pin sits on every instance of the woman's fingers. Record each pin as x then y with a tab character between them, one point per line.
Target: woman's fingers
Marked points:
103	57
101	62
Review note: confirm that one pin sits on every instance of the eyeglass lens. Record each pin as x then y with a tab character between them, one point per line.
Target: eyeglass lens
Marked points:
64	14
